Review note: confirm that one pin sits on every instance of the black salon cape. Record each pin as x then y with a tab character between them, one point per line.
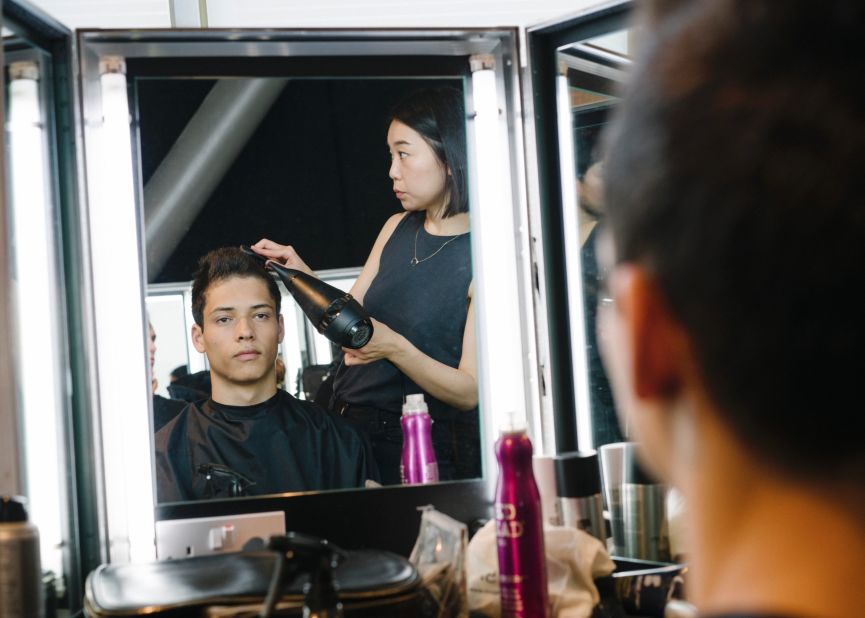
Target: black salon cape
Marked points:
164	410
282	444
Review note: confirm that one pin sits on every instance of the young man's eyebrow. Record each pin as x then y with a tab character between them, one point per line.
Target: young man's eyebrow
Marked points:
252	308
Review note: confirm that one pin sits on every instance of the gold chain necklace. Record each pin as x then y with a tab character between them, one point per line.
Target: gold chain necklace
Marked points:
414	261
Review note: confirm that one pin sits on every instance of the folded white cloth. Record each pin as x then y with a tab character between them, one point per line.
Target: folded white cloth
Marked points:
574	560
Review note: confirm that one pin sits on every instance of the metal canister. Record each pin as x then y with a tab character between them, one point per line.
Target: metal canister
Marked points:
644	514
20	571
578	485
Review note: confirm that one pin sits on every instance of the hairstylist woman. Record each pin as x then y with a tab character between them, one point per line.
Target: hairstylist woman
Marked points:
417	286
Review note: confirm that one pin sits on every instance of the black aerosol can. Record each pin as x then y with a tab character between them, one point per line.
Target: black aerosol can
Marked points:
20	573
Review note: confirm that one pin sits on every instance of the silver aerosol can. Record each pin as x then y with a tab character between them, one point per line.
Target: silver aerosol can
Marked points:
644	513
20	572
578	485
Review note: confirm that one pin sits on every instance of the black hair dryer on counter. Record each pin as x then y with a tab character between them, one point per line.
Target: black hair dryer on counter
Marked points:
334	313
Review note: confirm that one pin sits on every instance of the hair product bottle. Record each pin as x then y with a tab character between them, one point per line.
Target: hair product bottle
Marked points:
418	463
519	527
578	483
644	513
20	574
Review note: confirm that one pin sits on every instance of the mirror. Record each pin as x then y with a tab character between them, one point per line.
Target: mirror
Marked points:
115	67
36	180
308	167
592	74
31	208
578	68
114	64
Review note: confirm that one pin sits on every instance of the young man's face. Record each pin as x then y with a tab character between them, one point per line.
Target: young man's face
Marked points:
241	332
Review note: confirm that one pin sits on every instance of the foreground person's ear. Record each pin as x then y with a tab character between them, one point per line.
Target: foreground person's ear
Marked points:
656	339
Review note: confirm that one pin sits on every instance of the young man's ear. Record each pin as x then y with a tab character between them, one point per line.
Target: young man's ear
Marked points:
657	341
281	328
198	338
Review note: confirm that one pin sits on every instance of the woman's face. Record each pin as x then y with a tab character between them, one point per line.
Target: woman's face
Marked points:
419	177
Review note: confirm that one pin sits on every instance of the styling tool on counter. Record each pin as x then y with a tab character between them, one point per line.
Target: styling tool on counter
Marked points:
334	313
20	572
578	484
519	527
311	555
418	464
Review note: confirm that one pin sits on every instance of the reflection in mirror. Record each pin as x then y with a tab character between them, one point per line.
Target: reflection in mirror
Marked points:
319	165
591	75
36	287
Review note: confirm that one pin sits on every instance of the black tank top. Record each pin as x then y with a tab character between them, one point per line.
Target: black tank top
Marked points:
427	303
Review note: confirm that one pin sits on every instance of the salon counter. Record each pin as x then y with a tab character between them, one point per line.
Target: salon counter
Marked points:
385	518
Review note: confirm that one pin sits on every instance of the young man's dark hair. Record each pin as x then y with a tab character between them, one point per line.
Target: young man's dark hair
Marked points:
221	264
734	342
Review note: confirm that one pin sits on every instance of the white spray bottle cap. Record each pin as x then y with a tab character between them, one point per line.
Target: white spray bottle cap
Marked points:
414	404
513	422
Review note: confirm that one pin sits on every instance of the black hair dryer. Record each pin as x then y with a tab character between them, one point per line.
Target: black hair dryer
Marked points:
335	314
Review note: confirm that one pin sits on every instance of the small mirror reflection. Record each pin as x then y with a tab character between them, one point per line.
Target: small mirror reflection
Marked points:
594	71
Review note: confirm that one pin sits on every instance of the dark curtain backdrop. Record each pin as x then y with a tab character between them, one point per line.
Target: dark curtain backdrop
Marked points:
313	175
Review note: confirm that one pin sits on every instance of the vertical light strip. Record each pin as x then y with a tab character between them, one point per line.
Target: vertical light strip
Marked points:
573	263
119	311
36	302
494	244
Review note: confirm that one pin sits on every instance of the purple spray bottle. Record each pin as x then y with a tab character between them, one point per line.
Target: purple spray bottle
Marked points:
418	463
519	527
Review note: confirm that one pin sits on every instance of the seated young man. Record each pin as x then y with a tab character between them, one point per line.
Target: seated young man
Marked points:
249	438
735	339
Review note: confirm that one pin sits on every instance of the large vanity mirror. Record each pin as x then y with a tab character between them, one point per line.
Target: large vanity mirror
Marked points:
196	141
303	161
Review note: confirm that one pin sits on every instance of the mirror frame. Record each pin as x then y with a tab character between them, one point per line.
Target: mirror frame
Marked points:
544	42
83	520
511	384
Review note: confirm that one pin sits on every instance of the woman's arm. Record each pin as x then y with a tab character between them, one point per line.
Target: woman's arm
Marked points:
286	255
457	387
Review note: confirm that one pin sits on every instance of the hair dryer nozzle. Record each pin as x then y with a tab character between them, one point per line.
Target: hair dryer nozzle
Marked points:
334	313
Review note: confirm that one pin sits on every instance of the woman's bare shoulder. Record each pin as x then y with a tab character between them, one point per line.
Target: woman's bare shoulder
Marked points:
390	225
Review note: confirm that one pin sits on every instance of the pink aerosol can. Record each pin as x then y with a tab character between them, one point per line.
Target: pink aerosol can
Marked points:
519	527
418	463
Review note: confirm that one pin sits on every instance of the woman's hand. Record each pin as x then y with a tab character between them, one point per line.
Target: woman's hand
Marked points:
385	343
284	254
